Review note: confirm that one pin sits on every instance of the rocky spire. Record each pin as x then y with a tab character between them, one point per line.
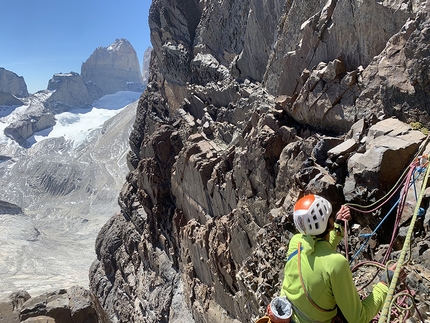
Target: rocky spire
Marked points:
113	68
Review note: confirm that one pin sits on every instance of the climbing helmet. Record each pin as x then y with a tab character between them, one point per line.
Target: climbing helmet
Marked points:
311	214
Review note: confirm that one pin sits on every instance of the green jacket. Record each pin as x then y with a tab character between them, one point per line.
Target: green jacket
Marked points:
328	281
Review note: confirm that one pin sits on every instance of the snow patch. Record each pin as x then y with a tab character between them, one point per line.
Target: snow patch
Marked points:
74	125
116	45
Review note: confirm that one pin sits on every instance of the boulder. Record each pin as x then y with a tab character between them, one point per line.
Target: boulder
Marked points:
75	305
390	147
11	307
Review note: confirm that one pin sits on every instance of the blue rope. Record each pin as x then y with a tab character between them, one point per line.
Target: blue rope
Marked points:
367	236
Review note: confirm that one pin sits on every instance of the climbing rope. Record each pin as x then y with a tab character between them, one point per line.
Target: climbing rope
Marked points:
388	301
395	302
408	181
416	160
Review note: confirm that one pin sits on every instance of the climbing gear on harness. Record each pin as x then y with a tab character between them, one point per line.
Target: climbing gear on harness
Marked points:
264	319
279	310
299	248
311	214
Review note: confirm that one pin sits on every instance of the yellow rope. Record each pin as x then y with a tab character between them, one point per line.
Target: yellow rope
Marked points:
388	300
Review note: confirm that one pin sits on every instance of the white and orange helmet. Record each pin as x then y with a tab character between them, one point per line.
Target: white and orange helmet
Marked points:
311	214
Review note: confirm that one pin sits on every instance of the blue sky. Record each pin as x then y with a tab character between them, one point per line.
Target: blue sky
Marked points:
40	38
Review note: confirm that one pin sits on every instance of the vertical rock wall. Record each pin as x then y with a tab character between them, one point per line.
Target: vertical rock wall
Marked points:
222	147
12	84
113	68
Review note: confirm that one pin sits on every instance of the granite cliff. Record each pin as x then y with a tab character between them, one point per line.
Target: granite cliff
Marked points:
12	83
107	71
12	87
251	104
114	68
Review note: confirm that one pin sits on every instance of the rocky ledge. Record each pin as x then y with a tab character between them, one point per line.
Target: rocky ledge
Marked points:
75	305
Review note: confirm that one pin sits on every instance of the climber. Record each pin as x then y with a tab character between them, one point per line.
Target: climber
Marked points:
317	280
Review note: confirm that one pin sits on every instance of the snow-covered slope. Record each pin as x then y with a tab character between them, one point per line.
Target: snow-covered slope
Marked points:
67	184
74	125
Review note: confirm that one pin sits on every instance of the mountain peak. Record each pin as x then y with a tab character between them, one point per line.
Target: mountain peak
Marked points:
118	44
114	68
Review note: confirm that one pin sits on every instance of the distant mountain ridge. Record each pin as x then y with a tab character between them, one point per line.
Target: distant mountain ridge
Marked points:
107	71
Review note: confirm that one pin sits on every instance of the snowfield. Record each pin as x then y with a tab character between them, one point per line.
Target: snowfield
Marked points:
74	125
50	245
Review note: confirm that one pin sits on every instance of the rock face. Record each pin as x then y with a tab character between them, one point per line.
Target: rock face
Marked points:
12	87
114	68
108	70
69	91
7	99
35	118
241	117
145	65
12	84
